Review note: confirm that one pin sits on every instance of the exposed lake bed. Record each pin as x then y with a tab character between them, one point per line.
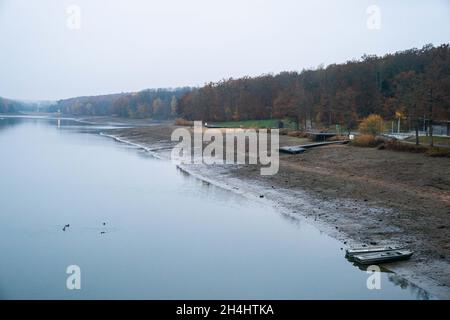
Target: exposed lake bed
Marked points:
345	193
168	235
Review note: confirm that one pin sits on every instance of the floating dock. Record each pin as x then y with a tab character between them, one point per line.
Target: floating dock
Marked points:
302	148
292	150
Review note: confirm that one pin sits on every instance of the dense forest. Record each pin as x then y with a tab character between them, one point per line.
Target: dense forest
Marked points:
154	103
412	84
9	106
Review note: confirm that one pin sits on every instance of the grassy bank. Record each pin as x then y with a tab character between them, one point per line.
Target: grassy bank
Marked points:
255	124
445	141
369	141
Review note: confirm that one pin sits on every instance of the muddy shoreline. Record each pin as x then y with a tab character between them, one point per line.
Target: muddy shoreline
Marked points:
355	195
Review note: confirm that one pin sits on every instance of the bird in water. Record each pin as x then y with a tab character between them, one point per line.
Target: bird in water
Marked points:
66	226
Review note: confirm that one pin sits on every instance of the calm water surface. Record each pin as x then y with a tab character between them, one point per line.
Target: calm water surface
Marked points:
167	235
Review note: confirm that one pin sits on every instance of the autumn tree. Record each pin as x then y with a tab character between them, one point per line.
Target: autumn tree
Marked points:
346	108
437	74
409	98
173	106
372	125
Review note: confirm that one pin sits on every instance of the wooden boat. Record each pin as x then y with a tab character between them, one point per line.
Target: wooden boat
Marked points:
383	256
361	250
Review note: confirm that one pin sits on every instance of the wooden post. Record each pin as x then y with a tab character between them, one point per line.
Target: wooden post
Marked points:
417	131
431	117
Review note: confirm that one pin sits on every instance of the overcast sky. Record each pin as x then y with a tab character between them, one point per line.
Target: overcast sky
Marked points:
129	45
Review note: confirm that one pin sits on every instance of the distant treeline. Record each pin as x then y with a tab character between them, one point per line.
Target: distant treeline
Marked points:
154	103
411	84
9	106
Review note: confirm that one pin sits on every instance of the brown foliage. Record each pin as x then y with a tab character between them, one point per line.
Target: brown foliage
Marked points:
338	138
297	134
183	122
366	141
338	94
372	125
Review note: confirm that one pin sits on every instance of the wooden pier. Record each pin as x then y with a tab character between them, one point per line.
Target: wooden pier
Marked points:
304	147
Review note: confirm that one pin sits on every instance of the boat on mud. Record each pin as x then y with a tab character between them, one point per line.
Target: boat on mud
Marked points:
382	256
362	250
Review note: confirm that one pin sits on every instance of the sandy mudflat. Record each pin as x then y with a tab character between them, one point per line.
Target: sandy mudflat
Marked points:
357	195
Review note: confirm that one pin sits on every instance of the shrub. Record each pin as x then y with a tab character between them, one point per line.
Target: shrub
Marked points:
284	132
297	134
183	122
367	141
372	125
337	138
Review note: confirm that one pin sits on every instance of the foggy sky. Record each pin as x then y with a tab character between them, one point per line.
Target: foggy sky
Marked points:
129	45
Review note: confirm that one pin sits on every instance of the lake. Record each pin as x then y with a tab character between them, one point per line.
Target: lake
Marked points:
142	229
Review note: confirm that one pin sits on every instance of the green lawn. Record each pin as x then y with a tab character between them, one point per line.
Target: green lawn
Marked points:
269	123
436	140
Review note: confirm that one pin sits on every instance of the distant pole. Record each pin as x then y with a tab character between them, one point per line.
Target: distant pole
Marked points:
398	125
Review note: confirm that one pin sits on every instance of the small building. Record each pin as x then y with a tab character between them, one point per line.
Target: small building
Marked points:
440	127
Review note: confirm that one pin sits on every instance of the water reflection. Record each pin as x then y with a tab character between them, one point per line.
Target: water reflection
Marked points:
406	285
398	281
